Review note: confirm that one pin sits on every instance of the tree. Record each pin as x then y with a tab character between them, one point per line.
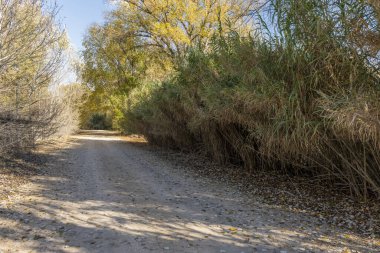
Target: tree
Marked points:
31	54
144	41
113	65
110	59
31	48
173	26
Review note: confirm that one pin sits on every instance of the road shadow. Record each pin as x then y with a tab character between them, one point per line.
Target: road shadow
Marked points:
124	215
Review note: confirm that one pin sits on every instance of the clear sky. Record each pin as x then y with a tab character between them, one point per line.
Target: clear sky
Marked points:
78	15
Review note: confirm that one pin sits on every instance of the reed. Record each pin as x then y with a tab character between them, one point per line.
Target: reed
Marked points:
301	95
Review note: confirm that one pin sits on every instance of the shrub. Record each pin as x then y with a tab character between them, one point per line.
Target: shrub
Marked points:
99	121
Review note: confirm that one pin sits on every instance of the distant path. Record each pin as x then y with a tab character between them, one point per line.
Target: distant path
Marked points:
104	194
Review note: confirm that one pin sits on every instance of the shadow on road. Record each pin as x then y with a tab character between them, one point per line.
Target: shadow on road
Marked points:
89	200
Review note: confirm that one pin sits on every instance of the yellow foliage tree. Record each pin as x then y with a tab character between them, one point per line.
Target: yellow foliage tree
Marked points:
175	25
142	41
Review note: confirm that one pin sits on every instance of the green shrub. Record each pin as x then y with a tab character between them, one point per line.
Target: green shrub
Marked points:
99	121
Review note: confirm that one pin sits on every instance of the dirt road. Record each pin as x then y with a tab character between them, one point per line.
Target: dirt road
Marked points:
103	194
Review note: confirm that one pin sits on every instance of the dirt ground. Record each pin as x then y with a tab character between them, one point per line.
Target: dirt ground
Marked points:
102	193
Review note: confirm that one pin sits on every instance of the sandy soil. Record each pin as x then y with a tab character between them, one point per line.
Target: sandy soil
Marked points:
104	194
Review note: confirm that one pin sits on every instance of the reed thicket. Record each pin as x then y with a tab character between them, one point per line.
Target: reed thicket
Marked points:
300	94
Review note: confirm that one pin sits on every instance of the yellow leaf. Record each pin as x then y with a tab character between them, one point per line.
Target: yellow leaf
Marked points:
346	250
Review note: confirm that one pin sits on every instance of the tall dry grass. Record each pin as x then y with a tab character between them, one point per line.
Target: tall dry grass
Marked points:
300	95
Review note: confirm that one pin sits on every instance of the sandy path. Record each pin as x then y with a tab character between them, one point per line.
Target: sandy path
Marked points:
106	195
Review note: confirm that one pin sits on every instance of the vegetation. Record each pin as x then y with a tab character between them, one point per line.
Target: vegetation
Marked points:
282	84
31	54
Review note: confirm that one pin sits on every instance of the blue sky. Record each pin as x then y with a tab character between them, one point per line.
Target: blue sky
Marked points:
78	15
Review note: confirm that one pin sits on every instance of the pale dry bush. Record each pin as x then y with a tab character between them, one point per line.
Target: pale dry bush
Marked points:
31	55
